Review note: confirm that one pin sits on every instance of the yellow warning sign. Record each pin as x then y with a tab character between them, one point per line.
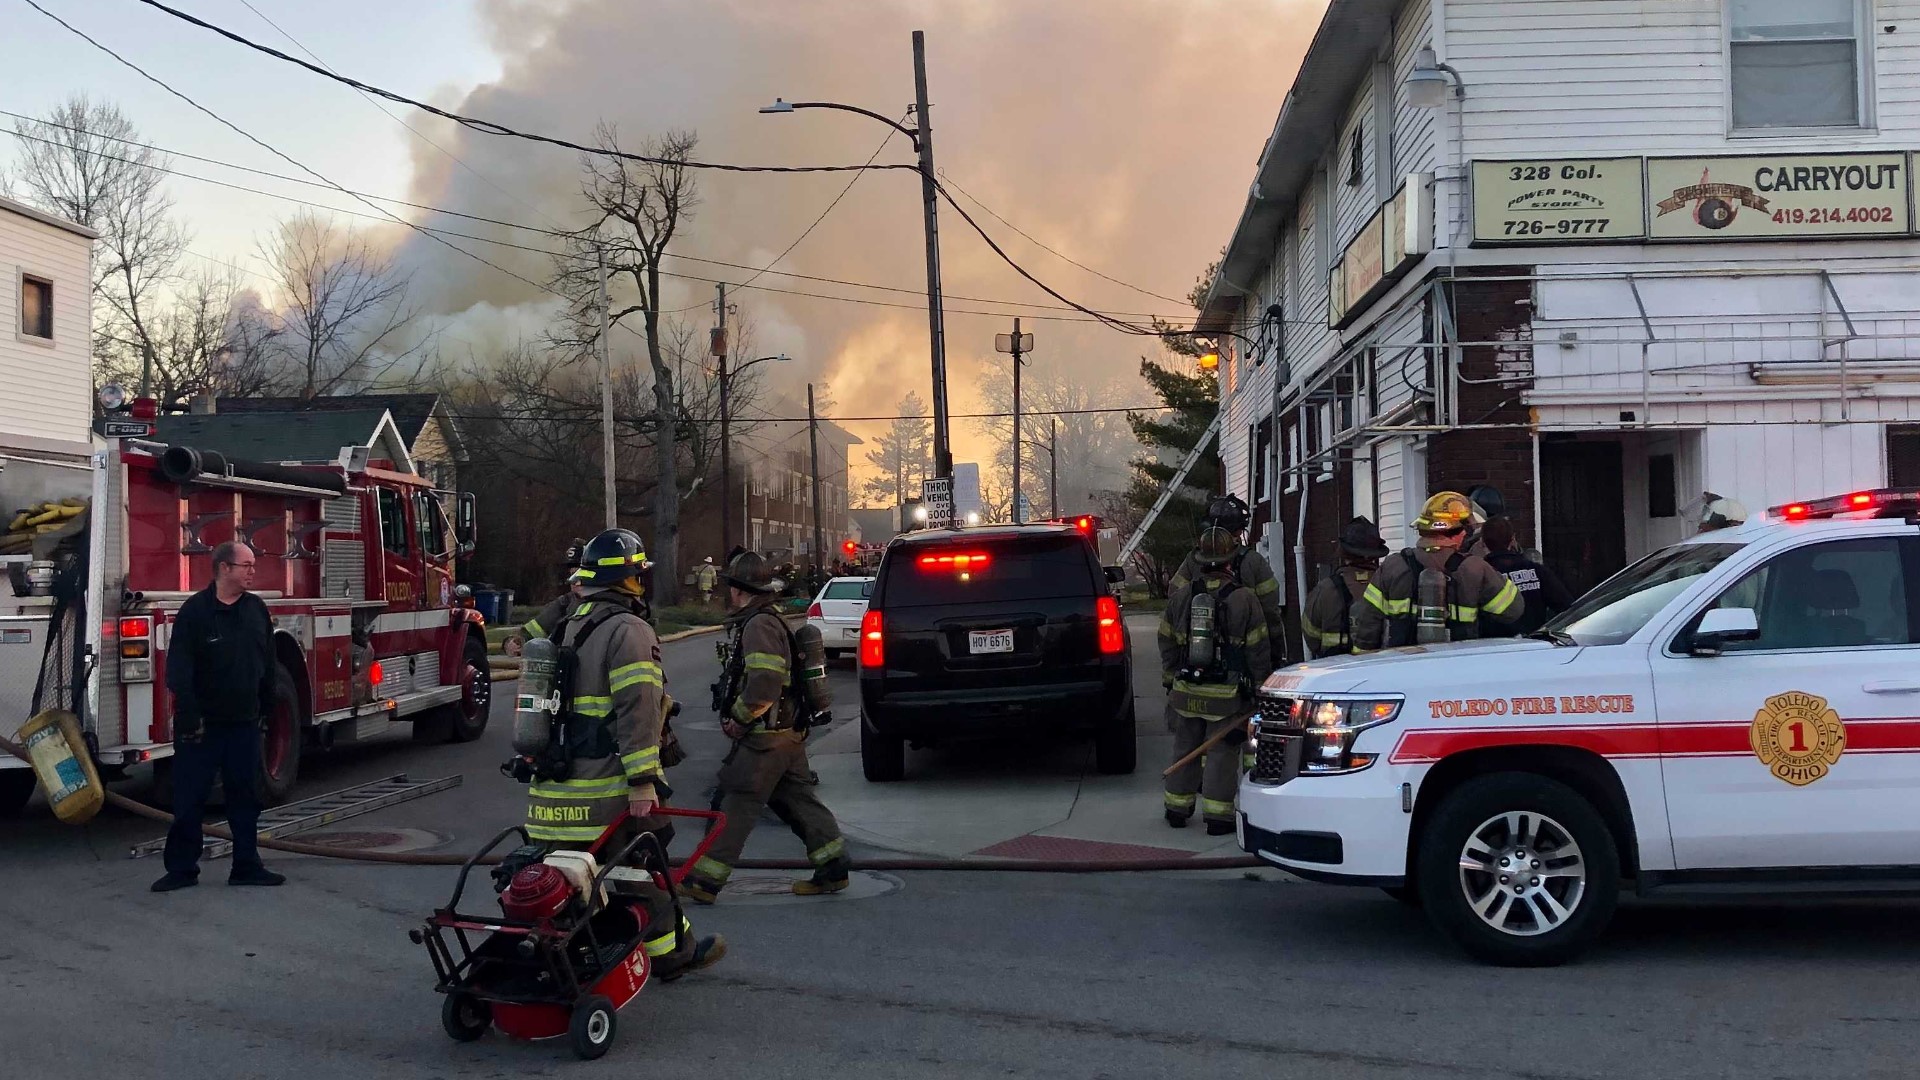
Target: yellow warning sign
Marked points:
1797	737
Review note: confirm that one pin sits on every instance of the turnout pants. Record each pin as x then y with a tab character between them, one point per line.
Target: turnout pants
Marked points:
1210	781
769	769
668	935
230	752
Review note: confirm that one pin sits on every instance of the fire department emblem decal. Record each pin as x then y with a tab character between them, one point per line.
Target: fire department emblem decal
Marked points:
1797	737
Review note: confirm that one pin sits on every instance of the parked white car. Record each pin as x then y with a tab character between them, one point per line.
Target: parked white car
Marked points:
837	612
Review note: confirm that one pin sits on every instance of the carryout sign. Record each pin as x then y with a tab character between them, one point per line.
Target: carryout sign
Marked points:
1779	197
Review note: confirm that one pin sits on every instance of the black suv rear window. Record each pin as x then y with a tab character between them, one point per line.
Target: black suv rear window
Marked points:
1014	568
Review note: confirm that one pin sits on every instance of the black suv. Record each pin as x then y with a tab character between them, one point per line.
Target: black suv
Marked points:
992	631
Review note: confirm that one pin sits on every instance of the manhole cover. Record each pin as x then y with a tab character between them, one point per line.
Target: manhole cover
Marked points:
761	887
388	841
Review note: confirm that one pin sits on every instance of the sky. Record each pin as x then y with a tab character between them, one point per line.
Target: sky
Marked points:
1122	133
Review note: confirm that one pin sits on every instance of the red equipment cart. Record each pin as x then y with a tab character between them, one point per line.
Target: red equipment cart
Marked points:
566	971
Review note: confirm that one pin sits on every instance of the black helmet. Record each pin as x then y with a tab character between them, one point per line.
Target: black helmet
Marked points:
1217	547
1361	539
573	554
751	572
1228	512
610	558
1492	504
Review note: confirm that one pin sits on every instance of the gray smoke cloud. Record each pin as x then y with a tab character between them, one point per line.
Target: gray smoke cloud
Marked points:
1121	132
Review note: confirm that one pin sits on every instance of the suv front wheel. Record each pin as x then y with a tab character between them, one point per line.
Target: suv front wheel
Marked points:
1519	870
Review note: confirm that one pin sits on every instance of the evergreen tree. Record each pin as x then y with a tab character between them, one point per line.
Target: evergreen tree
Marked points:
1192	399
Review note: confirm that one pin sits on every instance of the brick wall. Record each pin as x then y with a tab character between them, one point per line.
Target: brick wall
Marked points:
1458	461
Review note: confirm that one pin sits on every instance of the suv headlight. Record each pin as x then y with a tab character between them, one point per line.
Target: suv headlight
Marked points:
1325	726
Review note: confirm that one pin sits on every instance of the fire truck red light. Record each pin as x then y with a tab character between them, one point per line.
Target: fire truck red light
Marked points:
1796	510
135	628
1863	499
377	673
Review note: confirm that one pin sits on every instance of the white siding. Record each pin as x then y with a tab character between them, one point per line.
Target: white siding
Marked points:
1416	146
1581	77
49	389
1765	465
1354	204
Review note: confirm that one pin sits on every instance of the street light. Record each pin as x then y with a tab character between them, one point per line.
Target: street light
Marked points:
921	135
1429	81
726	449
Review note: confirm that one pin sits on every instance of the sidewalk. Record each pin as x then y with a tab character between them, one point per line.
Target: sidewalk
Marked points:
1002	800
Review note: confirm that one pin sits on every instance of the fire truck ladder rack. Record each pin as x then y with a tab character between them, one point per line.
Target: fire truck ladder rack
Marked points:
321	811
1193	458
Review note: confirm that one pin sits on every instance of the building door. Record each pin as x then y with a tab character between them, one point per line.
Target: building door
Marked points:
1903	456
1582	500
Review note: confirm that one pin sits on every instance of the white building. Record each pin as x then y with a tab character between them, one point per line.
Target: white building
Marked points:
1622	253
46	333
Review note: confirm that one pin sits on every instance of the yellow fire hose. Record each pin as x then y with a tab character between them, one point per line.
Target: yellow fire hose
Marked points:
1032	866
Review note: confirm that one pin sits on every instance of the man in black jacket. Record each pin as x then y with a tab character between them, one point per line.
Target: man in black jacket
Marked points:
221	671
1546	595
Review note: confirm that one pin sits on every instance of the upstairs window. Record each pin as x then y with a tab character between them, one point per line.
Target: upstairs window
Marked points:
1797	64
36	308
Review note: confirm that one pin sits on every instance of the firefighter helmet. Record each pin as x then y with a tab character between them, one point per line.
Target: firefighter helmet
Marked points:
1721	513
1492	504
751	572
1228	512
1217	548
1361	539
1446	512
573	553
613	556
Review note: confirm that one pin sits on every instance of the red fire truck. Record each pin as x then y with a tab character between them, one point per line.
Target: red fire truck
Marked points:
356	564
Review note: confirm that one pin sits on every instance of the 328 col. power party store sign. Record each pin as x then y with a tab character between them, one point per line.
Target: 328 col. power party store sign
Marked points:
1773	197
1765	198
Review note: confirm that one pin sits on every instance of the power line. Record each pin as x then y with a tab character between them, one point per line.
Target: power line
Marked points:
157	81
647	417
823	216
483	219
1057	254
488	127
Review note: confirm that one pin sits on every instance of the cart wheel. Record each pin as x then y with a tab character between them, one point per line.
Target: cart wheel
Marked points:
592	1026
465	1018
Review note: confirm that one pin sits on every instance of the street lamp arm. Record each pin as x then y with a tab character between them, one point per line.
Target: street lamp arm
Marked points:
789	106
738	371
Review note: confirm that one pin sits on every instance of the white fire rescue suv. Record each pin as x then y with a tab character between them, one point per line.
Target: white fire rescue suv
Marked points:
356	565
1738	712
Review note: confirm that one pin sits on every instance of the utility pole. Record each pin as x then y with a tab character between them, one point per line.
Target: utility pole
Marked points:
606	393
1053	465
936	315
1018	344
813	451
718	347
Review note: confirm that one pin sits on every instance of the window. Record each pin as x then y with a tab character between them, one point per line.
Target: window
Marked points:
1661	497
431	521
1903	457
1796	64
36	307
1838	595
1356	156
847	589
1040	568
1616	609
393	522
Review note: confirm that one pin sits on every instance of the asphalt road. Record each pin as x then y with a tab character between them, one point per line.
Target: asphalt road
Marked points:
936	975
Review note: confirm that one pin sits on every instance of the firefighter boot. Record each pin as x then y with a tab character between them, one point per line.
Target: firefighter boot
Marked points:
705	953
697	890
830	878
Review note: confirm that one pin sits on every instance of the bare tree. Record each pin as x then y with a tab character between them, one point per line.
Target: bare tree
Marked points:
84	161
638	210
343	321
210	337
1094	445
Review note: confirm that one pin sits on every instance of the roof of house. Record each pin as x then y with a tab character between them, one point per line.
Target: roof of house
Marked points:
47	219
1343	53
410	411
308	438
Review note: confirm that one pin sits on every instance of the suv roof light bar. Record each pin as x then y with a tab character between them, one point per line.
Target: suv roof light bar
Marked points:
1888	502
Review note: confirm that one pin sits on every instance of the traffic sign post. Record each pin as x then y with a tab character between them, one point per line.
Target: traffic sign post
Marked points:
936	494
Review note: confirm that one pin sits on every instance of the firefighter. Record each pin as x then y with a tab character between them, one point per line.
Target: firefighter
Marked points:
1211	669
1249	567
1388	613
613	733
705	578
1720	513
1544	594
1324	617
764	716
549	617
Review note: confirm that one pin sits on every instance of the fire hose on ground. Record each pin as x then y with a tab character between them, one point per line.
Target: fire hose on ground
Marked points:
1031	866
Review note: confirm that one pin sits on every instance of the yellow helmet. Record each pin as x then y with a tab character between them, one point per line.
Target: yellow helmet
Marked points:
1445	512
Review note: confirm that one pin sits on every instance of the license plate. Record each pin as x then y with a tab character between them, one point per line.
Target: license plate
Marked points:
989	641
